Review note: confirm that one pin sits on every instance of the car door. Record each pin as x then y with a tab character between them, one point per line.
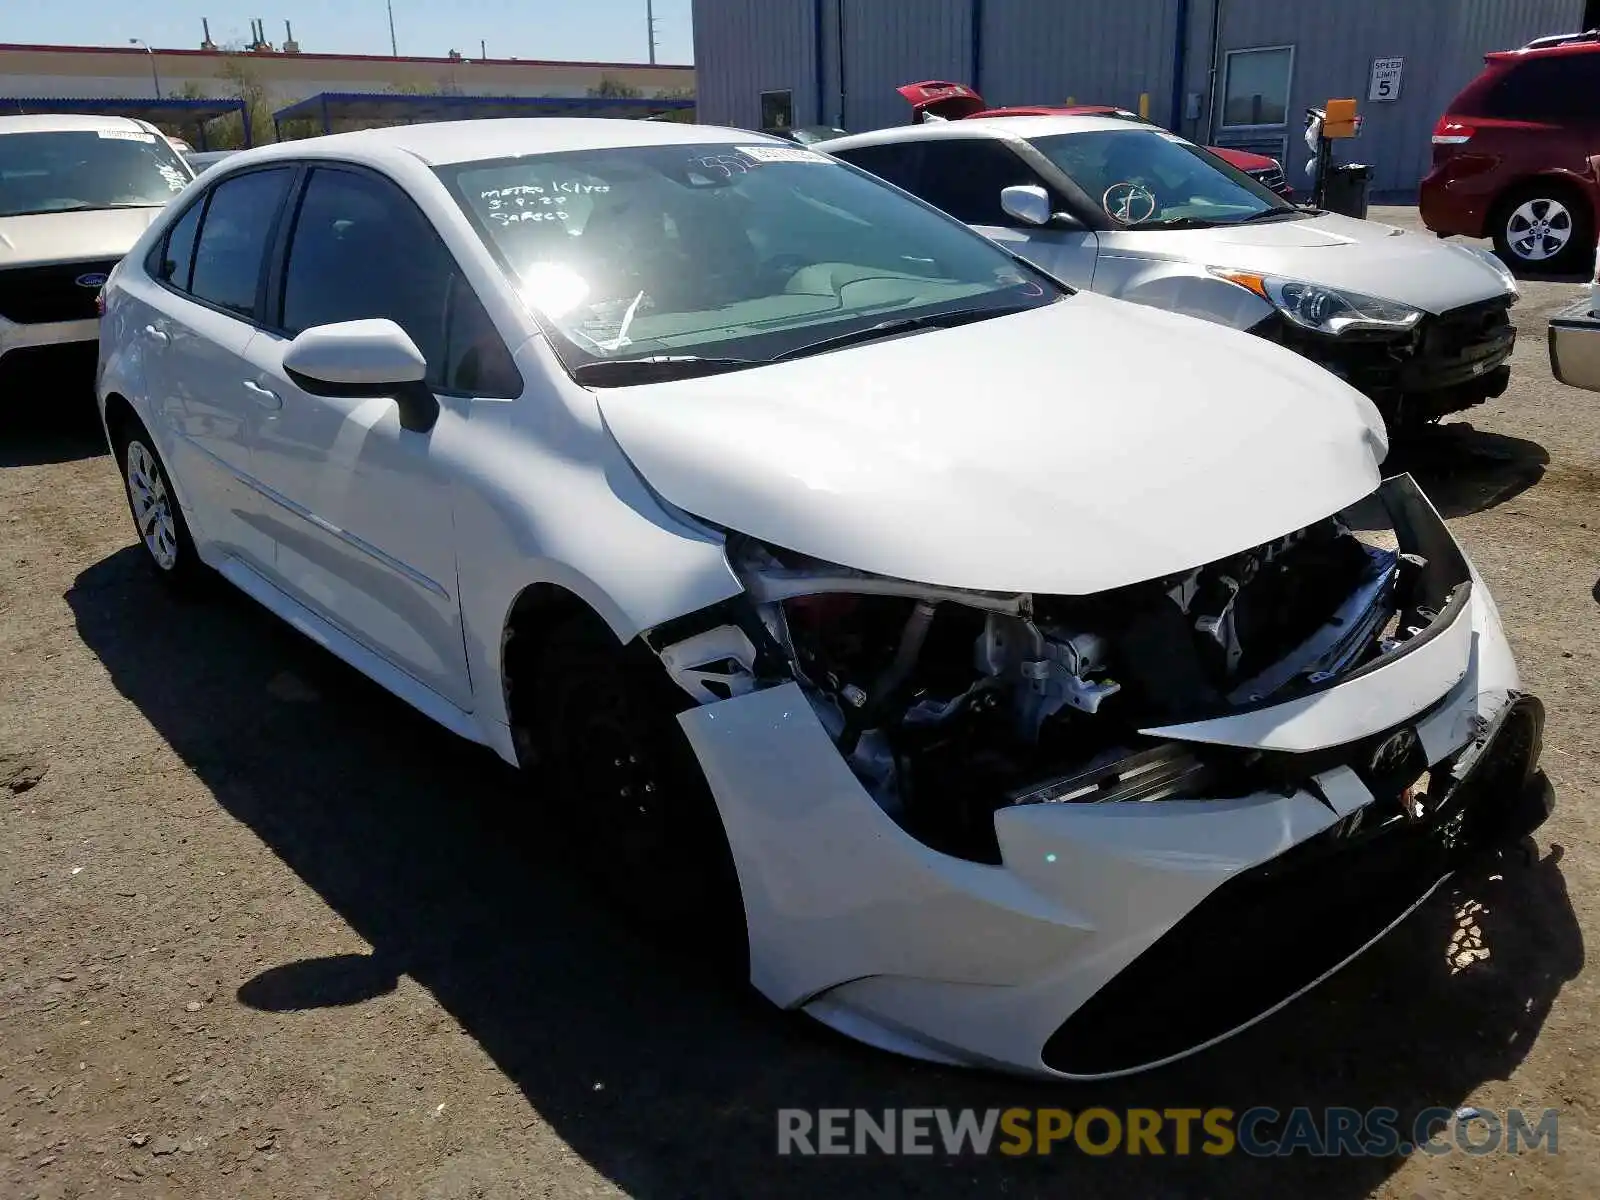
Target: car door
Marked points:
362	508
203	314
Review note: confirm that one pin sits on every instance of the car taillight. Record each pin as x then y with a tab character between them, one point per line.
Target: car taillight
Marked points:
100	303
1450	132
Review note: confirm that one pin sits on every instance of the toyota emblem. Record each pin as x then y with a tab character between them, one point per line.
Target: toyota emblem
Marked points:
1392	752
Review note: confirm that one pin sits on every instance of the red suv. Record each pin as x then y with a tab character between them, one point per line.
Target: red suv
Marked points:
1513	155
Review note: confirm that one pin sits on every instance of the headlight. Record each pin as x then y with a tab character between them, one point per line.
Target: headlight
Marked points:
1312	306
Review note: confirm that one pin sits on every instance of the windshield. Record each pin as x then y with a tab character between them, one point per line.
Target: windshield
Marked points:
89	168
742	252
1149	177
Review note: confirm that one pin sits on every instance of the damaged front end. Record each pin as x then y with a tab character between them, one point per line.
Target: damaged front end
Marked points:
995	829
949	705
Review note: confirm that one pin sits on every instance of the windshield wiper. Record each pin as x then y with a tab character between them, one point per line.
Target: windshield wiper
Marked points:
883	329
1265	213
656	368
1177	223
81	206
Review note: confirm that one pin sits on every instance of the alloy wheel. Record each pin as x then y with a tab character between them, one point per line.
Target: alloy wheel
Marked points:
1538	229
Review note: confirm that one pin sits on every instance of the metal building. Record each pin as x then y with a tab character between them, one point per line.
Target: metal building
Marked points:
1225	72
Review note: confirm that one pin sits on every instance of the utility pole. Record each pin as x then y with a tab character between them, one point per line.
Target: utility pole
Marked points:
394	48
155	76
650	24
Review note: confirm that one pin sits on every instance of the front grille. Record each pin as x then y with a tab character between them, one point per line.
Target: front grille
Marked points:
1271	177
1460	345
48	370
36	295
1461	329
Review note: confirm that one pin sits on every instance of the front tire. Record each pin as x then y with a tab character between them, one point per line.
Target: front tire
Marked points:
157	517
627	790
1544	227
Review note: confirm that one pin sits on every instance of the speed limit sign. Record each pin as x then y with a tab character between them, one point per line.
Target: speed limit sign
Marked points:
1385	79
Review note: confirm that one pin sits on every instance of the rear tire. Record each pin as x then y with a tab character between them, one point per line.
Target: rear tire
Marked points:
627	790
1544	227
158	520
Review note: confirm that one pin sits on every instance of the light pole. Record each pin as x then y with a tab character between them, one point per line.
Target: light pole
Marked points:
394	48
155	78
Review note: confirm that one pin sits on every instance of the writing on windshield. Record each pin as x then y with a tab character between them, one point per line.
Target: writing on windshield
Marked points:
741	251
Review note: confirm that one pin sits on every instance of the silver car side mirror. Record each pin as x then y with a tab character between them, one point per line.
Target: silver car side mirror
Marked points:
1027	202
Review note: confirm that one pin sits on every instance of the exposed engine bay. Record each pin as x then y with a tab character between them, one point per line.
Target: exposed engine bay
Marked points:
949	704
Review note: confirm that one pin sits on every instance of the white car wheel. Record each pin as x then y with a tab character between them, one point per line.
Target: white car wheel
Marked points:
152	506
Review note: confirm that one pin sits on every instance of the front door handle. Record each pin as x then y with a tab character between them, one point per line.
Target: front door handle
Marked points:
156	335
265	397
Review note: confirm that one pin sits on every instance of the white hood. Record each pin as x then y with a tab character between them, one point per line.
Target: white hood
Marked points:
1068	450
1340	252
87	236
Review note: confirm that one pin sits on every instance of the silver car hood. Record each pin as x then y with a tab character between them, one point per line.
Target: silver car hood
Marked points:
1358	256
1068	450
86	236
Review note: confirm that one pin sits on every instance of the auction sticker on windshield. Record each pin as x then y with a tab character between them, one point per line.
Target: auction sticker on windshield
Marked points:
126	135
782	154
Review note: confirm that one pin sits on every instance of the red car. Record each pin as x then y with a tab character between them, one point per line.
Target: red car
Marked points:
1513	156
946	101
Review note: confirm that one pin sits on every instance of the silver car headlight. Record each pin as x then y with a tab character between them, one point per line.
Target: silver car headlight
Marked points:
1323	309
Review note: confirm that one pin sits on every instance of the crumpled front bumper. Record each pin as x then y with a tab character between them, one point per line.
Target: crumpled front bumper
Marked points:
1115	937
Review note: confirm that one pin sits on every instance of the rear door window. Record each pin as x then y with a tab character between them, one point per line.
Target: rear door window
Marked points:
896	163
1557	88
238	224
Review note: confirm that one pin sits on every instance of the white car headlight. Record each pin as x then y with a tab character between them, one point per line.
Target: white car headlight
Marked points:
1323	309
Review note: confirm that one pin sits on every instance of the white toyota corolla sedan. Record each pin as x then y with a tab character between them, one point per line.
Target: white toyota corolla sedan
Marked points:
1034	680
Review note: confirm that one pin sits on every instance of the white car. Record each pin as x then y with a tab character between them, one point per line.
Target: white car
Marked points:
1418	325
1021	673
75	193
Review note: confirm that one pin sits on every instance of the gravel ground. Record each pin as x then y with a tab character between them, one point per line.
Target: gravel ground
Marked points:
264	931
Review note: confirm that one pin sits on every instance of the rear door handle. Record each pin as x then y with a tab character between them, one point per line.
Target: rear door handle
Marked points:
156	335
265	397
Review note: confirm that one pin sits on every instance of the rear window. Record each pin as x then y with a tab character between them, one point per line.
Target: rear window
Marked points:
87	169
1552	88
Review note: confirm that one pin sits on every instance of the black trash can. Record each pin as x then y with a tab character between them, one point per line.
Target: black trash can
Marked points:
1346	189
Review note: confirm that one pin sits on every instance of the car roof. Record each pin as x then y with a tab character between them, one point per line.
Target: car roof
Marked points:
444	142
70	123
1007	128
1578	44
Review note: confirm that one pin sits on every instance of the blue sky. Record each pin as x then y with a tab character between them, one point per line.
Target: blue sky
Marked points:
608	30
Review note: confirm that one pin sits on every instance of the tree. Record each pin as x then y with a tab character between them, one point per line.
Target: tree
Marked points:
240	81
615	89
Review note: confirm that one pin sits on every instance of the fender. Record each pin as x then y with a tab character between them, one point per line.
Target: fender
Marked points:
550	452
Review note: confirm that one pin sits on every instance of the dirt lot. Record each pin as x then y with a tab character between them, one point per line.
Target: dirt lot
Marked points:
264	931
